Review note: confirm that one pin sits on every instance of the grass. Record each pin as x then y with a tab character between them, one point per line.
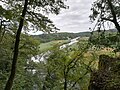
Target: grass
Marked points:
49	45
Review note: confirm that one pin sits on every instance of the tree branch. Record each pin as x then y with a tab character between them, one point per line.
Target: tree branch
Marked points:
114	15
107	19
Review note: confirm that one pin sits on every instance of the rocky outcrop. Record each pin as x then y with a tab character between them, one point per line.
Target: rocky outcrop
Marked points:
107	77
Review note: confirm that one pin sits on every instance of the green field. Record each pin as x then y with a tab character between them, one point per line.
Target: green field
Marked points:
49	45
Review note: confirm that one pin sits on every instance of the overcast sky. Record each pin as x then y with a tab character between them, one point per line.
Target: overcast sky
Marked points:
74	19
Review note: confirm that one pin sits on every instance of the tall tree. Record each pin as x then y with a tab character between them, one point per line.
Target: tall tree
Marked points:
32	16
16	49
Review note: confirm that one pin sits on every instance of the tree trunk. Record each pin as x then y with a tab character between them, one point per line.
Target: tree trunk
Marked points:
65	78
65	84
16	50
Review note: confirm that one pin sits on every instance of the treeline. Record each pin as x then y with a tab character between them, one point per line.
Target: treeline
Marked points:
109	39
65	35
61	36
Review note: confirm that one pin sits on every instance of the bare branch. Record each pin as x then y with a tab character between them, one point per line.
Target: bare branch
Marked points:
107	19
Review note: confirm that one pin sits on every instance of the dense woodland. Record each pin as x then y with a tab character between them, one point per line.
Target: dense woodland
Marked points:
52	61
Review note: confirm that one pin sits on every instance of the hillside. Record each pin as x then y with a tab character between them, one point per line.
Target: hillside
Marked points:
65	35
61	36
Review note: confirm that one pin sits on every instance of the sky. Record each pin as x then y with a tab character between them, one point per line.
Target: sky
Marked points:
76	18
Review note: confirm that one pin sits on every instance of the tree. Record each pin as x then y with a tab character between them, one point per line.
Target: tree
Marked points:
106	11
5	58
30	15
28	48
66	69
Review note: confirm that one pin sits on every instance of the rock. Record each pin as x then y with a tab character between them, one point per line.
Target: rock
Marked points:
107	77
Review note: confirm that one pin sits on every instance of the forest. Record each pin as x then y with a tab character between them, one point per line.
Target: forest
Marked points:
86	60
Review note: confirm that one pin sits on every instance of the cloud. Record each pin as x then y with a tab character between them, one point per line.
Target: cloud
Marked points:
74	19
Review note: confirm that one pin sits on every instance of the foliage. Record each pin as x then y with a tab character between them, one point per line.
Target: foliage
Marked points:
106	11
66	68
61	36
105	39
48	74
29	47
27	14
35	17
5	58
